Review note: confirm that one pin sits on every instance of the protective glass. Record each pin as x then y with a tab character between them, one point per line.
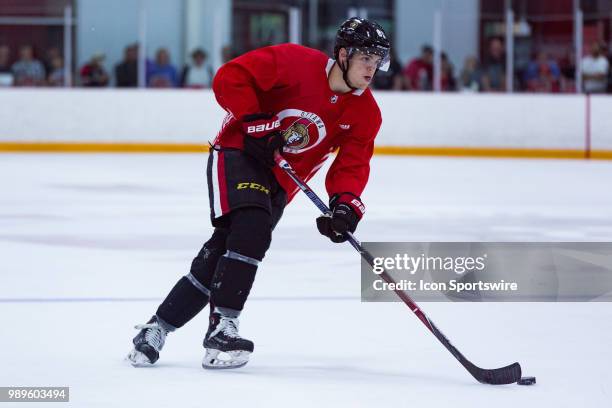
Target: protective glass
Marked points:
383	53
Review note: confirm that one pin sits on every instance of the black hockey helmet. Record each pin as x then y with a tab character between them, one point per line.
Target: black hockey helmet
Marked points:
361	35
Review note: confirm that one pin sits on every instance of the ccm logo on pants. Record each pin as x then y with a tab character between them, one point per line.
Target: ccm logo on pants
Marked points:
252	186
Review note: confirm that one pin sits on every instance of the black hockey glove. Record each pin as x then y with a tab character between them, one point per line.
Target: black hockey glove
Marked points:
262	137
346	212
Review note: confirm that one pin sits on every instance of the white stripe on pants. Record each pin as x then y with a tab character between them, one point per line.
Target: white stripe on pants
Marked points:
215	185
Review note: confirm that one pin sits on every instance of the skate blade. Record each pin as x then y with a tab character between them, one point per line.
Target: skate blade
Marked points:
138	359
218	360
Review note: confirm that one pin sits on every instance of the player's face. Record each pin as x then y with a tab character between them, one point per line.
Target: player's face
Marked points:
362	69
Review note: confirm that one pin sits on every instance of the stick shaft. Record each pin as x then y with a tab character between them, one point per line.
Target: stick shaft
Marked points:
504	375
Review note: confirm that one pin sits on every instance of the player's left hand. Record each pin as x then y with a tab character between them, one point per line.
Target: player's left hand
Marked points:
262	137
346	212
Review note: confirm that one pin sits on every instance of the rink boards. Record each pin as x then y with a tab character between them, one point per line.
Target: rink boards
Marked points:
497	125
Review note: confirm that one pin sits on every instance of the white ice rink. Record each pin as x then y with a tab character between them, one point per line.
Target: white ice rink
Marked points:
90	244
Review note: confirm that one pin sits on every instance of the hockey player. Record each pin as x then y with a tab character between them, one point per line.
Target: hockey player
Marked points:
296	100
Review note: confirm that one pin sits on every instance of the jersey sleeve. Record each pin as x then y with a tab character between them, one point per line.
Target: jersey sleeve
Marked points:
237	83
351	168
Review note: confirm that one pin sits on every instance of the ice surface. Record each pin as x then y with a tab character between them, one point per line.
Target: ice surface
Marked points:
90	244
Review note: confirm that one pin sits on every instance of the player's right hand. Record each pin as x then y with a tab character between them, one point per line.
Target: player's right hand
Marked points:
346	212
262	137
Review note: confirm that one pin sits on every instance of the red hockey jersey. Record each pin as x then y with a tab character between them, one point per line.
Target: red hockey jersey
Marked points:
292	81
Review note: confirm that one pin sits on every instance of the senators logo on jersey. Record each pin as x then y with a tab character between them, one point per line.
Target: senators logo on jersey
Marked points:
296	136
302	130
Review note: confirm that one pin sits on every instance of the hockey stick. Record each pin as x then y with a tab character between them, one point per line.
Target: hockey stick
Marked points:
504	375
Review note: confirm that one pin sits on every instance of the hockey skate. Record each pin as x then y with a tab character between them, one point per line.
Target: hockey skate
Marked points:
224	346
148	343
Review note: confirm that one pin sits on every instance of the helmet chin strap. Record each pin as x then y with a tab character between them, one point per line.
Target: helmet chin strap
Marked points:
345	70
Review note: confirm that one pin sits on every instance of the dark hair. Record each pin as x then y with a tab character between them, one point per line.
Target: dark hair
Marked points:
198	52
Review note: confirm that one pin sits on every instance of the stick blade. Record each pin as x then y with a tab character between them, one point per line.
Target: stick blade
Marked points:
498	376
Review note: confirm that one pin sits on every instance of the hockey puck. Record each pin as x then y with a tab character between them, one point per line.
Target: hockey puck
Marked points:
526	381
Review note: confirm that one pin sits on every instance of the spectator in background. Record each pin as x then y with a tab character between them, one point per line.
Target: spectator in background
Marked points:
543	74
447	74
28	71
392	79
493	77
418	73
198	74
93	73
610	70
126	72
6	74
160	73
595	69
567	65
469	79
56	72
50	55
5	58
